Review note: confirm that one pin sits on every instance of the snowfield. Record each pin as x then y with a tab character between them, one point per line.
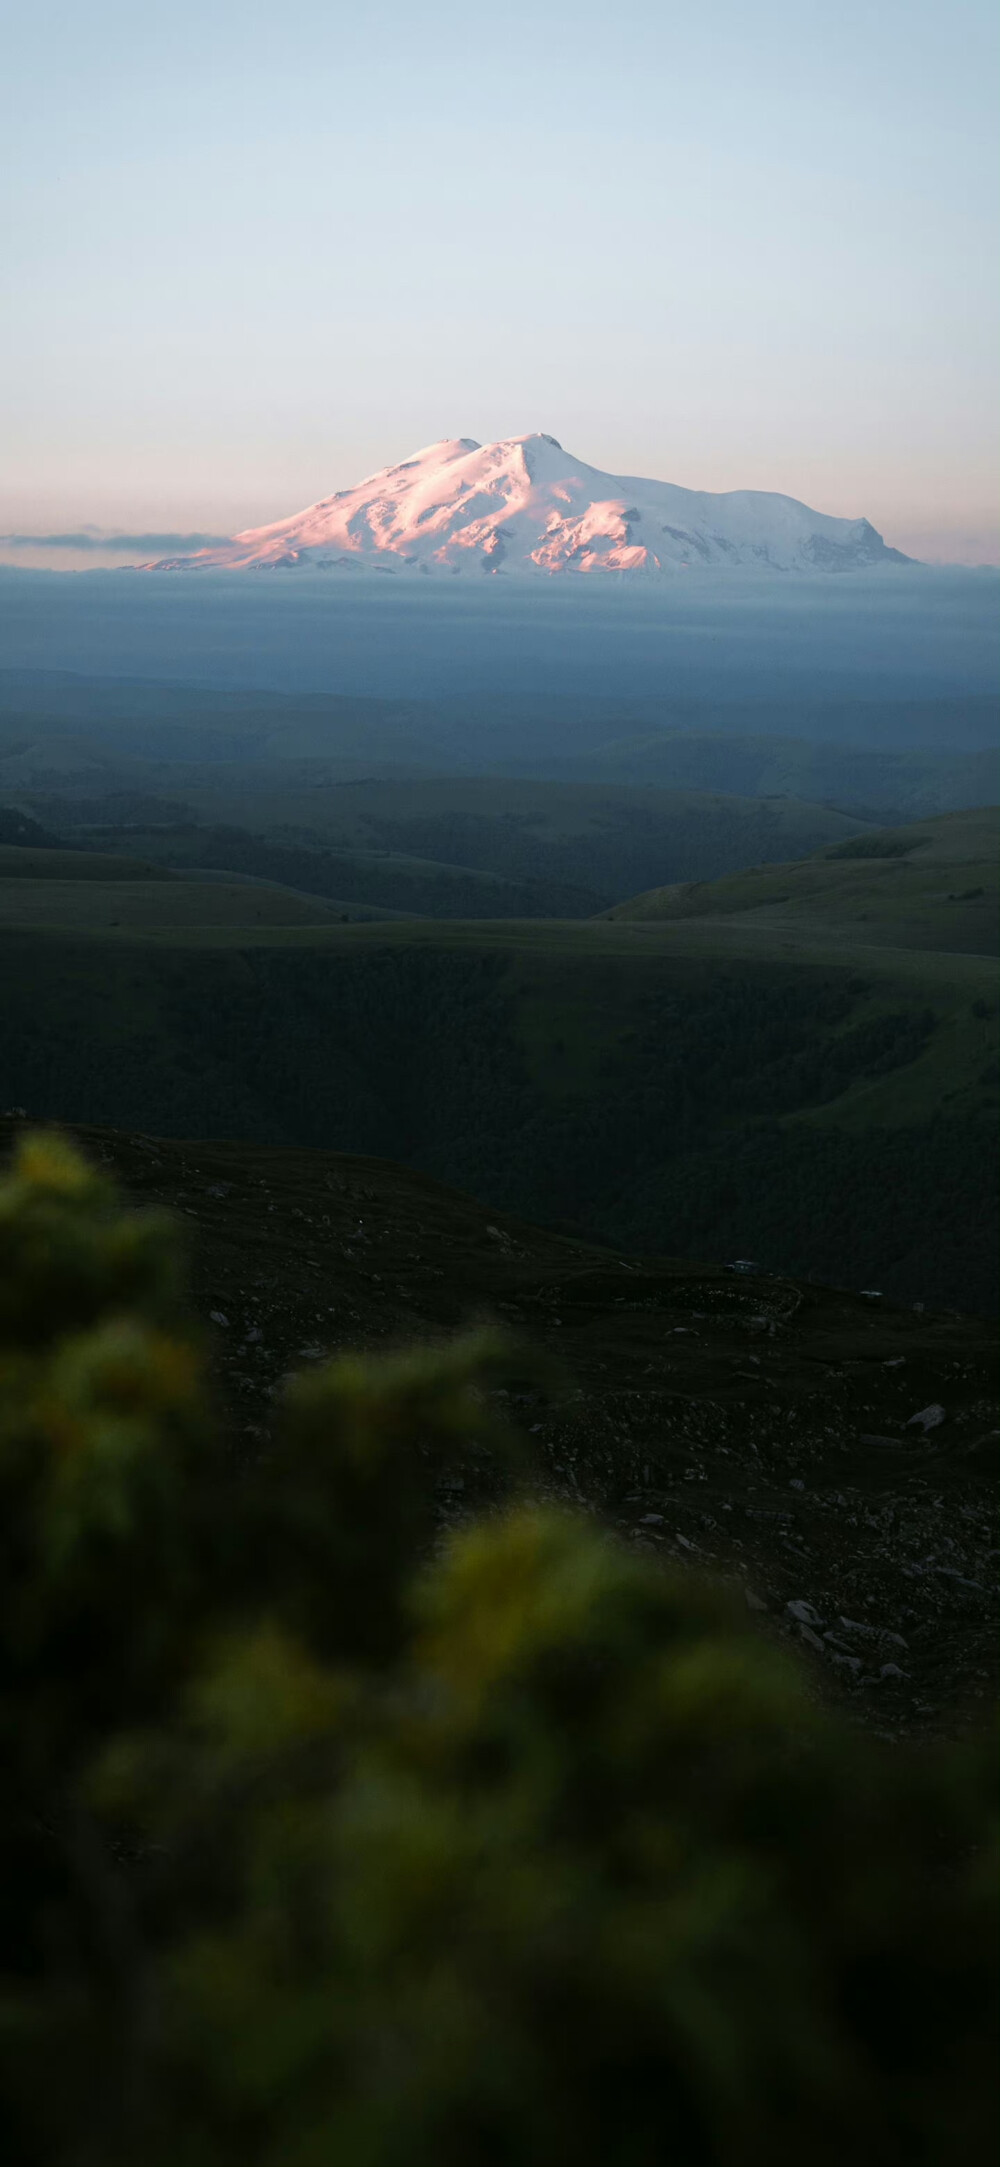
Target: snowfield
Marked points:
526	507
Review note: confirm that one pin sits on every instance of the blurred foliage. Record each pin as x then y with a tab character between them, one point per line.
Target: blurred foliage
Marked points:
323	1845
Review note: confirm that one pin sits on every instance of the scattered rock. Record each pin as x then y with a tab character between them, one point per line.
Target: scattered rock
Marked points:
803	1613
984	1452
216	1317
879	1633
929	1418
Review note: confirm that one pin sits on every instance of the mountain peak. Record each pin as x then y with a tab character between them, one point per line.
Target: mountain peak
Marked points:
524	506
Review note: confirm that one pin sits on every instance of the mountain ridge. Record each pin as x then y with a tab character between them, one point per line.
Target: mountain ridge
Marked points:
526	507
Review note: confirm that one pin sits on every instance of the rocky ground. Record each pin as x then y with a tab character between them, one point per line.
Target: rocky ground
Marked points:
834	1455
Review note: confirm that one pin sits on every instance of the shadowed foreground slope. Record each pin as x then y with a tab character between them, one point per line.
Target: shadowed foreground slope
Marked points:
321	1847
730	1418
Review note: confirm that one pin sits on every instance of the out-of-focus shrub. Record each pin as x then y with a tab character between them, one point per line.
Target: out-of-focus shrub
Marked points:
321	1848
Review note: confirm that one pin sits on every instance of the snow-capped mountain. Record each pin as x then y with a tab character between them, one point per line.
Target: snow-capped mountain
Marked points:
525	506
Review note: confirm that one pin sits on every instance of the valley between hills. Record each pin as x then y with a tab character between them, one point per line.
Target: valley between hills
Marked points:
797	1063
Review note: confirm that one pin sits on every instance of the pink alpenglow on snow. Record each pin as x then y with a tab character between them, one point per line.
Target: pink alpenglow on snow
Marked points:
526	507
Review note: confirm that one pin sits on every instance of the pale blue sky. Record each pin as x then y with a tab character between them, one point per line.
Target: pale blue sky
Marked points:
255	251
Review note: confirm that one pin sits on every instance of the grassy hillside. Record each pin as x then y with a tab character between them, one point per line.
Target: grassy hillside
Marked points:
695	1087
420	887
48	862
798	1063
936	885
151	904
46	885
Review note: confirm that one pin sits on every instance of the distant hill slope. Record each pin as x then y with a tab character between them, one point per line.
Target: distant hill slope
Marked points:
18	828
874	758
932	886
145	718
460	846
856	777
51	862
582	835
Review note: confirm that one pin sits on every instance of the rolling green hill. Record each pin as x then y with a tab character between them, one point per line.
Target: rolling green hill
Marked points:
48	862
700	1087
444	848
796	1062
153	904
390	880
588	836
935	886
45	885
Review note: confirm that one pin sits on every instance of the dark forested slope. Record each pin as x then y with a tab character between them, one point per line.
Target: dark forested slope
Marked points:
825	1113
